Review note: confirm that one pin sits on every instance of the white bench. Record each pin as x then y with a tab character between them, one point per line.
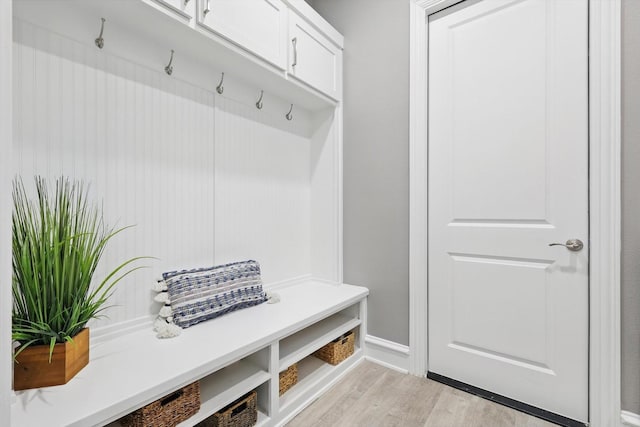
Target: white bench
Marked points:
230	355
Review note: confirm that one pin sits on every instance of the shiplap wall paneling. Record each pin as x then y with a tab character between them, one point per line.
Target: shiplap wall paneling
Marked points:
262	189
6	57
326	196
143	140
204	178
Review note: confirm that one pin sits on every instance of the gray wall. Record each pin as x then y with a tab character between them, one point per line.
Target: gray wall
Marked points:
376	155
631	205
376	168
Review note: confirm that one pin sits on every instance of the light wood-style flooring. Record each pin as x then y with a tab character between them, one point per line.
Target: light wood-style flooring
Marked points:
372	395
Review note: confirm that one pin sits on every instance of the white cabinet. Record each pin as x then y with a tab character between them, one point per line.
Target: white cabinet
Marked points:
314	59
289	35
184	8
259	26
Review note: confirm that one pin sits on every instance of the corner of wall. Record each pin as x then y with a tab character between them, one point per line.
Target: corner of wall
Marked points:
630	419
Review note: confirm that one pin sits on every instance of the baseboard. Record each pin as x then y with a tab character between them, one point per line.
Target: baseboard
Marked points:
387	353
630	419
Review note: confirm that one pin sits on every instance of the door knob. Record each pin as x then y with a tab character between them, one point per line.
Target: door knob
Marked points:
574	245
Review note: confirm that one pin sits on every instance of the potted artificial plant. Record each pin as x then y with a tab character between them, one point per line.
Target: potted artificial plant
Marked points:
58	240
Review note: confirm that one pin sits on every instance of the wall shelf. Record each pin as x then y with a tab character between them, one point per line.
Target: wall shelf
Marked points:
313	373
308	340
226	385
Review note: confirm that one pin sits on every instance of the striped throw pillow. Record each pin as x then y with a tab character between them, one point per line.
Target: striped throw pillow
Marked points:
204	293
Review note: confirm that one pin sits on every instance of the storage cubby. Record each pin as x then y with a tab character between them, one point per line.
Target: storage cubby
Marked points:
231	382
301	344
264	400
314	373
262	393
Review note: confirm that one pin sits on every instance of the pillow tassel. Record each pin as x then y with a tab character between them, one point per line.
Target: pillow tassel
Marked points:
166	311
272	297
159	286
166	329
162	297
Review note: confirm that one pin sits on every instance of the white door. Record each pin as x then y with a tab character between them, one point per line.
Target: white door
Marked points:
508	176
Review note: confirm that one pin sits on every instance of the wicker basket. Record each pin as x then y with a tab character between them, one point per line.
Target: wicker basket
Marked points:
288	378
168	411
241	413
337	350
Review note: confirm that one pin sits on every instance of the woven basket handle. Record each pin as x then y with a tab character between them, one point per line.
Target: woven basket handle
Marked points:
239	409
346	337
171	397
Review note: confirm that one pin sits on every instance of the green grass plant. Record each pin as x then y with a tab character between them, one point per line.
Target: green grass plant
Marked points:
58	240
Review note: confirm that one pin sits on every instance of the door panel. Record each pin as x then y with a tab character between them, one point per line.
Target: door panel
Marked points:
484	91
481	322
507	176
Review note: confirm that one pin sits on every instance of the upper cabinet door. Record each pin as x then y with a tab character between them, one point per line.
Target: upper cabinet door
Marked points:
184	8
260	26
313	59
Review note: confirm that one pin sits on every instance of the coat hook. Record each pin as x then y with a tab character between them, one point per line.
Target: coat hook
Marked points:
259	103
100	40
220	87
289	116
169	68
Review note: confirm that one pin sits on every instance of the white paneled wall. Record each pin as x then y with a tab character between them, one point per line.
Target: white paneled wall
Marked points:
204	178
263	193
6	113
326	204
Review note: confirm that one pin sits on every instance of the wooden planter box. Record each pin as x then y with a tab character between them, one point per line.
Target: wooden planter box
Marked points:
32	369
